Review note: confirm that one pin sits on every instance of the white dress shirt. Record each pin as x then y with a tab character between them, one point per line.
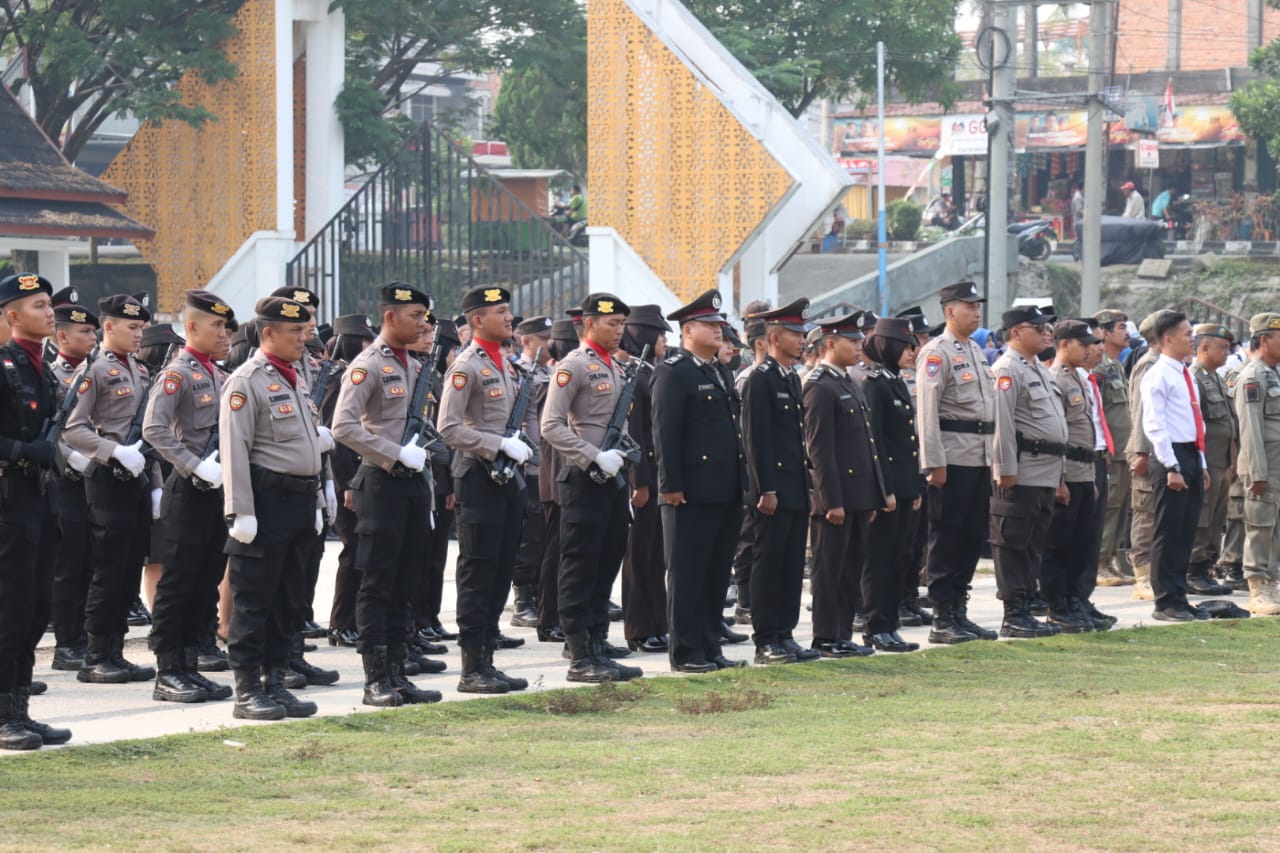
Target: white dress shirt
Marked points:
1167	414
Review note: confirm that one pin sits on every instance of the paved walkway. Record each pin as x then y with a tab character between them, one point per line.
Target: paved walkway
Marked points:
105	713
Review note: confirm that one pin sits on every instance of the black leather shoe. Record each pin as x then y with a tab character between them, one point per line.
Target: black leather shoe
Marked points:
344	637
729	636
889	641
442	633
615	612
49	735
1202	584
429	634
834	649
312	630
139	615
424	664
214	690
69	658
1232	575
742	615
1101	621
723	662
855	650
859	621
695	666
591	670
294	680
1173	614
908	617
425	648
773	653
37	688
209	657
313	674
1025	626
613	652
525	615
273	686
252	702
550	635
174	686
801	653
925	616
949	634
505	642
1200	613
1038	605
648	644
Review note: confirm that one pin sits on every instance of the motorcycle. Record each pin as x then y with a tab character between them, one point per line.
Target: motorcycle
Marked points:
1178	218
574	232
1036	240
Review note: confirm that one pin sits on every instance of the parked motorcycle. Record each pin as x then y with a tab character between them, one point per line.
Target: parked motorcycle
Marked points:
574	232
1036	240
1178	218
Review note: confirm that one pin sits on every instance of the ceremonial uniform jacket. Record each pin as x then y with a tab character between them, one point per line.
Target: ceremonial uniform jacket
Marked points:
1077	405
27	397
183	412
539	375
1221	430
373	403
953	382
583	393
773	436
1114	388
841	445
695	424
640	425
1028	402
893	426
1257	404
474	407
108	399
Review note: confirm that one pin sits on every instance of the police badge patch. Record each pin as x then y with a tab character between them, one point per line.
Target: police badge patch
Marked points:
932	365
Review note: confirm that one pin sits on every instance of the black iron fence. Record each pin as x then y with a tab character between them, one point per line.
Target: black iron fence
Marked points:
433	217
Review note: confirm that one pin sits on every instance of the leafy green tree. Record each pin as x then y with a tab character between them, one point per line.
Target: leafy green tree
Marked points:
1256	105
86	61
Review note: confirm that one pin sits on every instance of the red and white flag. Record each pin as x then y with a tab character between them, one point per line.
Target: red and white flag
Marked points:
1167	119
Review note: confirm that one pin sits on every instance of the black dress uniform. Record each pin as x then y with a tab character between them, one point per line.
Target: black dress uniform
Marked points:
773	439
28	527
699	452
526	575
564	340
846	475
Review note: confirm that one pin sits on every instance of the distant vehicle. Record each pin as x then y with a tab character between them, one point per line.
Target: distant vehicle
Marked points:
1127	241
1036	240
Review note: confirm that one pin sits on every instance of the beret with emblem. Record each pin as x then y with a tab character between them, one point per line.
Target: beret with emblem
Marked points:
1107	316
540	325
123	306
75	314
790	317
648	316
209	303
1264	323
399	293
896	329
1023	314
705	308
300	295
604	305
277	309
483	297
66	296
1213	330
160	335
961	291
23	284
143	297
846	326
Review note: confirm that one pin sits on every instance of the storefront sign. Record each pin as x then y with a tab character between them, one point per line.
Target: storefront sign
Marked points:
964	135
855	166
1051	131
917	135
1148	154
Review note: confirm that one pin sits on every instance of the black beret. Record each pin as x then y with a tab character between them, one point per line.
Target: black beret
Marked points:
75	314
604	305
482	297
400	293
209	303
23	284
233	324
300	295
123	306
540	325
160	335
144	297
277	309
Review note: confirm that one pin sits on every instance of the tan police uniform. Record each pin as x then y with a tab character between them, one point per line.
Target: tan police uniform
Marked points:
1142	498
1257	405
1114	390
1230	565
1221	441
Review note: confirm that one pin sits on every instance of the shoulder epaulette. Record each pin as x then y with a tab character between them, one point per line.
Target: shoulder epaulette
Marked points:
673	359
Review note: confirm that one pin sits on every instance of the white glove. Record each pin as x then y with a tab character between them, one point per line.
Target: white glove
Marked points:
155	503
210	471
319	522
326	439
244	529
515	449
78	461
413	457
130	457
610	461
330	499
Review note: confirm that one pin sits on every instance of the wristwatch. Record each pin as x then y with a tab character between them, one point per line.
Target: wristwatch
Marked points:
1175	468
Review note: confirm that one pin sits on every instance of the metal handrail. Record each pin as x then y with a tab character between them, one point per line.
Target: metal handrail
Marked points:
1210	313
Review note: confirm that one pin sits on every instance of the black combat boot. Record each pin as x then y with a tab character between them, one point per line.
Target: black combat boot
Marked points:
13	733
313	674
512	682
99	666
424	664
273	684
1199	582
1232	575
191	657
476	676
962	618
47	734
946	629
209	657
1019	623
136	672
600	647
252	702
172	683
585	666
1066	615
69	658
379	691
525	609
408	691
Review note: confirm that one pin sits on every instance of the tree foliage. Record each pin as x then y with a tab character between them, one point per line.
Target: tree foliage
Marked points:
1256	105
86	61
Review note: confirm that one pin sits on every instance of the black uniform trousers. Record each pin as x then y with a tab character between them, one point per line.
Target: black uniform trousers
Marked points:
839	551
1089	578
346	581
190	538
391	531
533	538
549	581
268	575
120	518
744	557
958	522
644	581
306	601
489	517
1071	538
1176	516
915	552
889	535
72	568
593	539
28	536
698	541
1020	521
777	573
430	591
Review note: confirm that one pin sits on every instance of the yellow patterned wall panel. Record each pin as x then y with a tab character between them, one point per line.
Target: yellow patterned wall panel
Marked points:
206	191
671	169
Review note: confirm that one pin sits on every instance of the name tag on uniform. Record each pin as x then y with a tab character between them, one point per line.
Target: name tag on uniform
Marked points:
706	387
898	403
783	395
846	396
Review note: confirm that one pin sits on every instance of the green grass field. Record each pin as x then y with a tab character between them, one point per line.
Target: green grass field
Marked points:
1146	739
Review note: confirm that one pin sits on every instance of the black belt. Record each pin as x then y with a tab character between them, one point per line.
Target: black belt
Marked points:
1083	454
975	427
1037	446
398	471
1185	445
265	479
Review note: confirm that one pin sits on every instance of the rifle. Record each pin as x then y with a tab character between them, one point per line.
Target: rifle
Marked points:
52	431
328	369
50	351
210	448
418	427
616	436
503	467
135	426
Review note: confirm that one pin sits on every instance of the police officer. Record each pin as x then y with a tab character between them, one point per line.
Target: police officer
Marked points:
564	340
1230	566
28	527
391	493
700	483
1138	453
848	486
913	557
1257	404
1221	439
778	485
122	489
592	487
1113	566
474	410
269	445
957	419
1029	445
181	425
535	334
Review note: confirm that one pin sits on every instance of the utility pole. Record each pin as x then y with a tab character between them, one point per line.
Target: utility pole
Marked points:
882	236
1095	187
1004	78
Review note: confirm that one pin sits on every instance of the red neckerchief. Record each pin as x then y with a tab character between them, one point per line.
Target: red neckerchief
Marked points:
604	356
203	358
73	360
494	350
123	358
34	351
286	370
401	353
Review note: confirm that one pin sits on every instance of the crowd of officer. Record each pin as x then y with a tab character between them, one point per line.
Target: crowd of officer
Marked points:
871	454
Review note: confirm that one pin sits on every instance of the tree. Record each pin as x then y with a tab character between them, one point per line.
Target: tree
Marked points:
86	61
1256	105
541	112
